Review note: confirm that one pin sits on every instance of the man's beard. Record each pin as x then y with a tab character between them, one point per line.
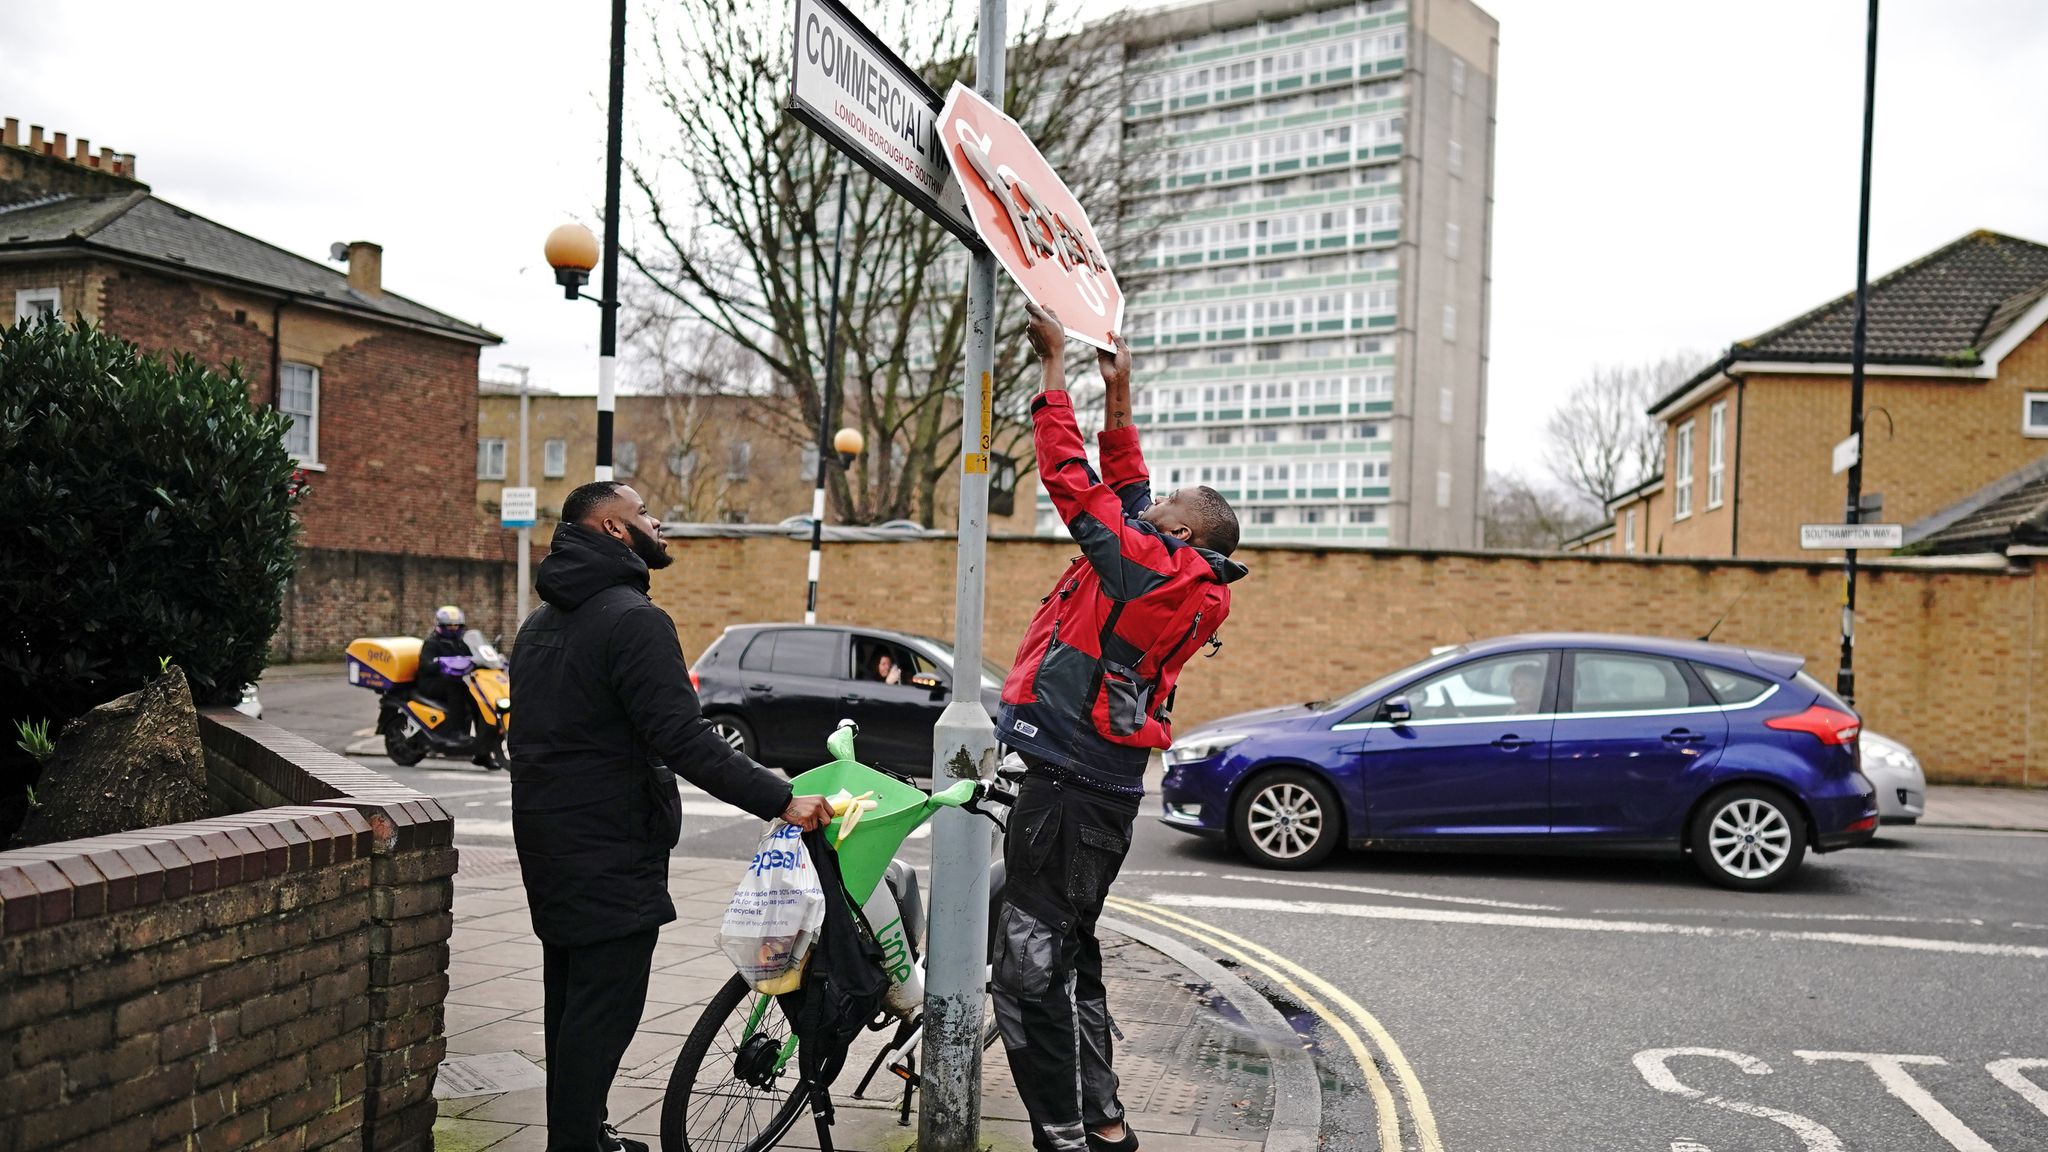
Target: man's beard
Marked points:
648	549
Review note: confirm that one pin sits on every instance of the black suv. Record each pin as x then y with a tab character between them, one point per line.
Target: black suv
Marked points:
775	691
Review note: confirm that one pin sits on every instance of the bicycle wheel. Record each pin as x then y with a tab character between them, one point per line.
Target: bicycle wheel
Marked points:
734	1088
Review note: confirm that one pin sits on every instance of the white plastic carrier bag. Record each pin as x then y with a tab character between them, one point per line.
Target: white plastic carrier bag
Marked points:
776	913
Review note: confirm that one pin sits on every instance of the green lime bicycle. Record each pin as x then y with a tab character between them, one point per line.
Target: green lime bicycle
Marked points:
736	1085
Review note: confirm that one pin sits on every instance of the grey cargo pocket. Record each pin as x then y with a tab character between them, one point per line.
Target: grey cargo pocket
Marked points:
1063	676
1097	859
1024	953
1127	697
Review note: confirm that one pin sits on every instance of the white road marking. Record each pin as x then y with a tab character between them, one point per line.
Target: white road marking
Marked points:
1891	1072
1682	1145
1392	892
1161	872
1651	1064
2012	1074
1579	924
457	795
1743	914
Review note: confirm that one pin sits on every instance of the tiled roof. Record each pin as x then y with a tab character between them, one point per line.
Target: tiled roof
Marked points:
142	226
1940	310
2012	510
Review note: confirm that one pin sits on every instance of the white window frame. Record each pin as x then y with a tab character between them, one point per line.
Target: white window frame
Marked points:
490	458
1443	489
1451	323
1681	498
1454	158
26	299
554	459
1447	405
1457	76
311	455
1717	453
1628	531
2027	425
1451	240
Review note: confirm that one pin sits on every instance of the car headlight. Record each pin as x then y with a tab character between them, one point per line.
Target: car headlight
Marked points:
1885	753
1204	746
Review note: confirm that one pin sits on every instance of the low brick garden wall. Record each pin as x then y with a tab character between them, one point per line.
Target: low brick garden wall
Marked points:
270	979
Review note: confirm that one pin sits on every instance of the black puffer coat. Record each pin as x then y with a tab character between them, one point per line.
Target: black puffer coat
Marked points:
602	709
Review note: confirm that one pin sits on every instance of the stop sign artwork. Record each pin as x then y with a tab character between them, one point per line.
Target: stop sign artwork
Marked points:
1029	219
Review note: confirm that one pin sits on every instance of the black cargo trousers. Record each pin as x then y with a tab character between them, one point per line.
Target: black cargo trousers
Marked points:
1065	845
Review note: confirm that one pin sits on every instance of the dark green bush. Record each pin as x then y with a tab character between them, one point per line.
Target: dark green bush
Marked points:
145	512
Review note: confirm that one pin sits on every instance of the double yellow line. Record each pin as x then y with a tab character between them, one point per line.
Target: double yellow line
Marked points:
1318	995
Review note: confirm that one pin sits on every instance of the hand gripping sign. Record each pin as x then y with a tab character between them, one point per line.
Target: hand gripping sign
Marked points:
1029	219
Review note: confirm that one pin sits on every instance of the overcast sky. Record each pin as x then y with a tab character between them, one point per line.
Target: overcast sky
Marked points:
1668	175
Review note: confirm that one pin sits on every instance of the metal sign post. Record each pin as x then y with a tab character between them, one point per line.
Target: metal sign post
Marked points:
964	744
1845	676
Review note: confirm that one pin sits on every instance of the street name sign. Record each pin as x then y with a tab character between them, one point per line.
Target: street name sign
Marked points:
516	507
1848	452
853	90
1029	219
1843	537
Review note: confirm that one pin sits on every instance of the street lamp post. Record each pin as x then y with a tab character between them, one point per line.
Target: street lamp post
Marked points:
1845	676
572	251
846	444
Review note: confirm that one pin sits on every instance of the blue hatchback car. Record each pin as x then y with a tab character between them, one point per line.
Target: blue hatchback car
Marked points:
1567	741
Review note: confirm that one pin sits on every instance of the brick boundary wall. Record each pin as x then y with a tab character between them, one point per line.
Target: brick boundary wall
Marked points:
1952	655
336	596
271	979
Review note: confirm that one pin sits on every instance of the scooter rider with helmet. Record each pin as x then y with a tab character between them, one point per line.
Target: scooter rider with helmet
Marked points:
438	686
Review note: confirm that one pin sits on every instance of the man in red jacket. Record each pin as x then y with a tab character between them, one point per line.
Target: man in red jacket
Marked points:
1085	705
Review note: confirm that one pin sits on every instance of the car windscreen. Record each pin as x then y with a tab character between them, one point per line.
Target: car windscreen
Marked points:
991	674
1393	680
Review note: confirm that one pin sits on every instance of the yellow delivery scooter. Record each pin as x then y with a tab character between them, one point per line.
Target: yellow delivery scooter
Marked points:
414	728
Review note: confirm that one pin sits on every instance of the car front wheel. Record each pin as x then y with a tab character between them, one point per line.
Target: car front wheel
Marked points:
1287	819
1748	837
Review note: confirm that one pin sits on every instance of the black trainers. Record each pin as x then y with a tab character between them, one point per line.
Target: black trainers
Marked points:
1128	1144
618	1143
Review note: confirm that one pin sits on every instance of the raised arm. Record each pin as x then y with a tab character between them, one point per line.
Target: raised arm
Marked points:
1129	557
1123	464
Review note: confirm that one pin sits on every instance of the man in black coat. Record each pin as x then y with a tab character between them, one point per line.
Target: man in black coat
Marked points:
604	717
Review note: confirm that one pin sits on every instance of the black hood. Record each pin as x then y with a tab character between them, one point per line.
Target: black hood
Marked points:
581	562
1227	570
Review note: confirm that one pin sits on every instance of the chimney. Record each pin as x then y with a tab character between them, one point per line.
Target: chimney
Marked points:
366	267
47	163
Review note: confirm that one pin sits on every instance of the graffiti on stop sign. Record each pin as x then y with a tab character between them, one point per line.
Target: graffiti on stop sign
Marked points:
1029	218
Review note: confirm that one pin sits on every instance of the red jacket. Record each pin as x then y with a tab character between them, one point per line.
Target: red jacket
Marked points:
1093	683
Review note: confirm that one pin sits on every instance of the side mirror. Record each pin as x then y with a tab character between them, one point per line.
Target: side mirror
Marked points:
1397	710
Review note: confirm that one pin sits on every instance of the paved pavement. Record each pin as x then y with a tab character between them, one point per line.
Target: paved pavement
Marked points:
1207	1065
1887	999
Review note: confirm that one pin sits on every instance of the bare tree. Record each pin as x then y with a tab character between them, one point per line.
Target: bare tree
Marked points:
1601	440
738	204
708	386
1521	514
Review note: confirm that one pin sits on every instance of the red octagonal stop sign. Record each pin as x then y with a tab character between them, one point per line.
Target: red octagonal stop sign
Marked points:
1029	219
